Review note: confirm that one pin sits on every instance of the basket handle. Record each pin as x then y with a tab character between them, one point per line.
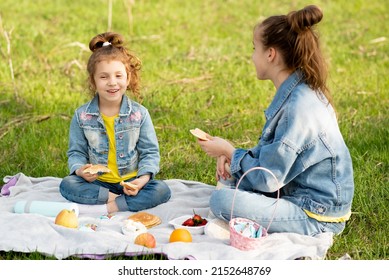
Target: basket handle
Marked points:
278	190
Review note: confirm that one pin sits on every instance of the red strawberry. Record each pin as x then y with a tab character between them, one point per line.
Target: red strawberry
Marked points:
196	218
189	223
203	222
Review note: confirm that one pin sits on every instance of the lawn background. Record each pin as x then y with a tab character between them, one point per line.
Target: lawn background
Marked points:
197	72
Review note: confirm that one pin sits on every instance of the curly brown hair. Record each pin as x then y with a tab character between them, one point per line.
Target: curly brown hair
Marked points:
294	36
114	51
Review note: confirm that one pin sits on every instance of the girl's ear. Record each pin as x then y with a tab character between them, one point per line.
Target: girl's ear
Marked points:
128	78
271	54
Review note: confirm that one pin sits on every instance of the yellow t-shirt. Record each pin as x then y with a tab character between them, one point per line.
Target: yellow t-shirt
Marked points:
113	177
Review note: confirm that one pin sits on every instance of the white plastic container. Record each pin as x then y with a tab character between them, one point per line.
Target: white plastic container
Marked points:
177	223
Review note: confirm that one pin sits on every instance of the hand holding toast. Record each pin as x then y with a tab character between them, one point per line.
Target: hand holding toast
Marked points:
132	188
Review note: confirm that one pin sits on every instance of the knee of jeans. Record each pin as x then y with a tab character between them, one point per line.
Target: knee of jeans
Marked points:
165	194
168	194
163	190
66	185
63	183
218	205
62	188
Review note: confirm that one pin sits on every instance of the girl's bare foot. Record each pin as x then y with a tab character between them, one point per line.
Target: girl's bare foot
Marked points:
111	203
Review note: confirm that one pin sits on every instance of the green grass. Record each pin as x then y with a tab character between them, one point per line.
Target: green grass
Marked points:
197	72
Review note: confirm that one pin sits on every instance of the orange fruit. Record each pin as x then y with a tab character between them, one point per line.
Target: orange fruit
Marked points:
180	235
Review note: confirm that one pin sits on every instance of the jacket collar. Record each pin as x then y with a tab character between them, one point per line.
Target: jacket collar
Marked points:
93	107
283	93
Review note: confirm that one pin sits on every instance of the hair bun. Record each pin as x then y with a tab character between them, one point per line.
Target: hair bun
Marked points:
305	18
97	42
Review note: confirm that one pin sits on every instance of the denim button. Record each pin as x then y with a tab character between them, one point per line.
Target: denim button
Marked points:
121	155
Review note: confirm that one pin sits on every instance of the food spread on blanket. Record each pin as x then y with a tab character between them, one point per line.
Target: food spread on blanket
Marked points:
195	221
149	220
199	134
60	243
97	168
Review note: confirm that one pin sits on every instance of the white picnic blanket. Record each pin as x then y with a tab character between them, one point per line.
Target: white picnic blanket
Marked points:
37	233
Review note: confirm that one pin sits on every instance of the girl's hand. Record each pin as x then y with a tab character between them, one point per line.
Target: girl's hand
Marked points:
216	147
139	182
223	168
86	176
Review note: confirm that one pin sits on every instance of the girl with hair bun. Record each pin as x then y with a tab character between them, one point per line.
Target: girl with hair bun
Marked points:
301	143
115	132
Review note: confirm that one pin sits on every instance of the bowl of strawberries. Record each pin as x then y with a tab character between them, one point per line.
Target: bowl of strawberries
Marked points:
194	223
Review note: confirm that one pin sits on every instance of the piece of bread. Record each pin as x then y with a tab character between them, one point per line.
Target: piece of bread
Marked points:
199	134
128	185
97	168
149	220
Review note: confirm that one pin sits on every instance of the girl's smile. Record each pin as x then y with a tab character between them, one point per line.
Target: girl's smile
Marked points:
111	80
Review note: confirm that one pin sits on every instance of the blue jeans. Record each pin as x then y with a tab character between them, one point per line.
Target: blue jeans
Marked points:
76	189
258	207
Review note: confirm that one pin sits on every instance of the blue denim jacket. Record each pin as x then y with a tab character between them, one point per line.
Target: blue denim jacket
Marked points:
136	141
302	145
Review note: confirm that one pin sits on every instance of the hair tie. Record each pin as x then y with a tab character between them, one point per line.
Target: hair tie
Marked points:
105	44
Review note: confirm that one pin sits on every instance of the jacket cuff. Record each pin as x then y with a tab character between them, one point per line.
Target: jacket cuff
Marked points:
236	159
74	168
147	171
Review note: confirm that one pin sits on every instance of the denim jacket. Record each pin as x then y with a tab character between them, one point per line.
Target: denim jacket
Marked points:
302	145
136	141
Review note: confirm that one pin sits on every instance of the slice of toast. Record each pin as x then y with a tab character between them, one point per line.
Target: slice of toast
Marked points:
199	134
128	185
97	168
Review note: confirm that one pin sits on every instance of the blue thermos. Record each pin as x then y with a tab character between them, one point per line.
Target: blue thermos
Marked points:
46	208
